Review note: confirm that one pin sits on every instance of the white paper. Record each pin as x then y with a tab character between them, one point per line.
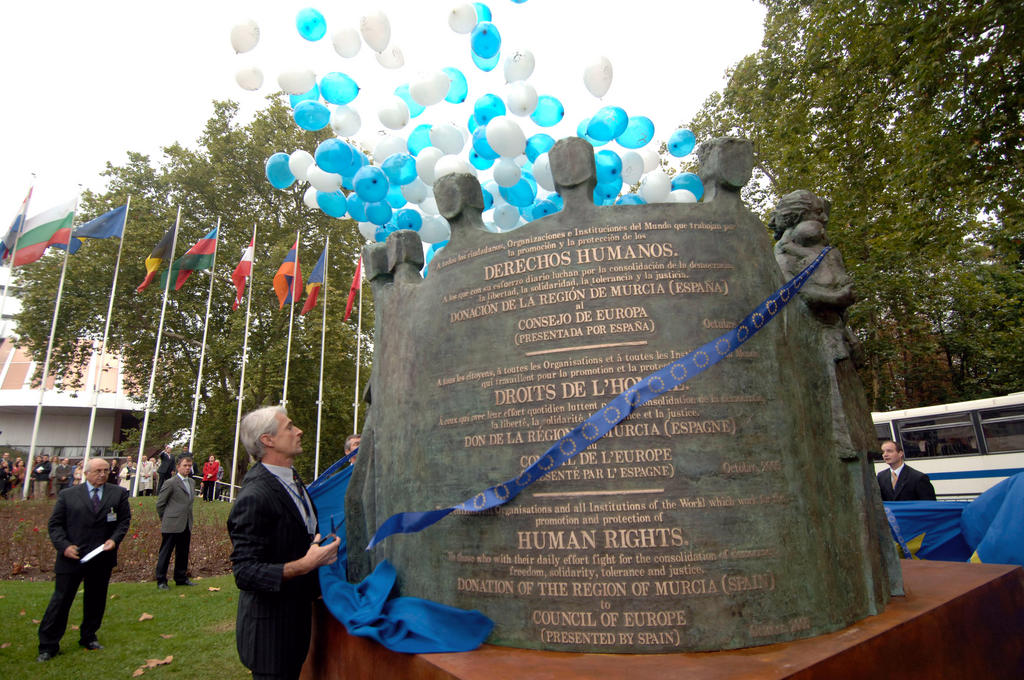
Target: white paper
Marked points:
92	554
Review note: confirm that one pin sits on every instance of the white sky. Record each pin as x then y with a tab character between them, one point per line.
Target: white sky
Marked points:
85	82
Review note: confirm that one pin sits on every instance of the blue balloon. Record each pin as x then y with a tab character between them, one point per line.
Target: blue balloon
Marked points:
400	168
605	194
378	212
480	145
334	155
483	12
543	209
419	139
557	201
609	167
522	193
639	131
395	197
356	208
549	111
333	204
581	131
471	124
311	24
485	39
312	95
488	199
681	142
690	182
478	161
488	107
630	199
403	93
278	173
383	231
338	88
459	88
371	186
608	123
485	64
347	184
311	115
538	144
407	218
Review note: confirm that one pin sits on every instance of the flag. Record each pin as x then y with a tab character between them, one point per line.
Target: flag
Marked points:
199	256
316	279
161	251
12	233
283	279
46	228
356	281
107	225
242	271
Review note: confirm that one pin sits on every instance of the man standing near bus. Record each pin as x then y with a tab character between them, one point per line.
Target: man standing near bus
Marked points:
902	482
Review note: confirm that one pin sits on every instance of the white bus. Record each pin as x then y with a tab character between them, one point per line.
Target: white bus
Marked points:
965	448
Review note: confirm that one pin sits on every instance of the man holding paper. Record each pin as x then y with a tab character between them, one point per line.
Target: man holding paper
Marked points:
88	523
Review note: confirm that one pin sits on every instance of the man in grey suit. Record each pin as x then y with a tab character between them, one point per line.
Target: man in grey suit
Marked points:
174	506
276	550
85	517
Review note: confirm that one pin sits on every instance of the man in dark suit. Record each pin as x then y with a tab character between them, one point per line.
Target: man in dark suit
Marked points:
174	507
165	467
276	550
85	517
902	482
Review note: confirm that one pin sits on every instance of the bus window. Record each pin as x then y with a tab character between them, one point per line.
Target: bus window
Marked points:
945	435
884	433
1004	429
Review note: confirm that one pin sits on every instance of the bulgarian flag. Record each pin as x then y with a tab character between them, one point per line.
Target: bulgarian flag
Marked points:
199	256
242	272
43	230
316	279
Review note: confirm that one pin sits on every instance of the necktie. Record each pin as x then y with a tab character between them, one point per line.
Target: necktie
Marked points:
895	477
96	499
302	497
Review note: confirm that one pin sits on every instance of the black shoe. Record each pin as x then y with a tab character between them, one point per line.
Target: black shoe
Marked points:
94	645
162	586
187	583
44	656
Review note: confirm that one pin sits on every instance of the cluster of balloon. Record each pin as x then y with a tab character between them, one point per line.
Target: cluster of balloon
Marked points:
379	192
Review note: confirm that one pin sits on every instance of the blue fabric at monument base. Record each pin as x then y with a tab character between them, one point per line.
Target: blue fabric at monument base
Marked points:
403	624
936	524
993	524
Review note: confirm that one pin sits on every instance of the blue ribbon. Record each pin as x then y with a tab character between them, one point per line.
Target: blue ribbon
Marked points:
614	412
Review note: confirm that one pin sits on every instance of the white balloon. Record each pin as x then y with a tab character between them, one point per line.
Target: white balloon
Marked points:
347	42
245	36
376	30
368	231
597	76
415	191
447	137
451	165
391	57
327	182
388	145
345	121
462	19
519	66
429	88
632	167
506	172
651	159
425	163
683	196
542	172
655	187
250	78
309	198
429	206
506	216
299	81
435	229
521	99
505	136
299	163
394	114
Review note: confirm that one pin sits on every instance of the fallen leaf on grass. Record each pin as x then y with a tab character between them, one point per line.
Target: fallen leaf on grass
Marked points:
151	663
213	590
5	645
74	626
182	595
114	596
35	620
21	613
166	636
145	617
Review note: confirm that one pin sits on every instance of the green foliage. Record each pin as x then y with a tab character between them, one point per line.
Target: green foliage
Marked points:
221	179
908	116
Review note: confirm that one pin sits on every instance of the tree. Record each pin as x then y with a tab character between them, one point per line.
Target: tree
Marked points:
222	178
908	115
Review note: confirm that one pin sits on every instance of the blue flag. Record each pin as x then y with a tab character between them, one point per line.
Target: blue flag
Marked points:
108	225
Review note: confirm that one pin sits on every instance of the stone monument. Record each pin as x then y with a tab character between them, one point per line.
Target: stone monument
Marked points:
736	510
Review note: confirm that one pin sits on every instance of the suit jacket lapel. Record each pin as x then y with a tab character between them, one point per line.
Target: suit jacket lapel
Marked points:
277	488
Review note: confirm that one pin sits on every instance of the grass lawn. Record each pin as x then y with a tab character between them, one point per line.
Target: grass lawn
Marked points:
194	625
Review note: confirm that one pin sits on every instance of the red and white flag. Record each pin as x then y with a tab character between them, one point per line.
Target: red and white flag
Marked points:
241	273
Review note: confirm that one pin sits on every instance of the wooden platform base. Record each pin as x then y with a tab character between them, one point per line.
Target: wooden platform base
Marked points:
956	621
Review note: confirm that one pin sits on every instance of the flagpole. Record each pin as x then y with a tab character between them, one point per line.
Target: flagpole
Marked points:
202	350
103	344
291	319
10	276
46	361
323	338
245	360
359	344
156	351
